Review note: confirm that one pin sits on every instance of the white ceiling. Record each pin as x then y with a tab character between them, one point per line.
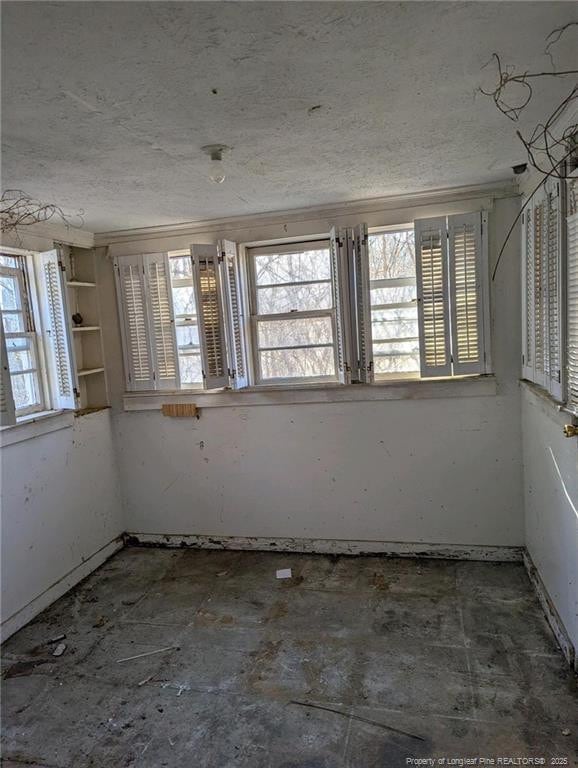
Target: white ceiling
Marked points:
106	105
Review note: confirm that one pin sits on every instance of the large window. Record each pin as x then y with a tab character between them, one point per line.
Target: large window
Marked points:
20	335
393	293
292	312
347	308
186	321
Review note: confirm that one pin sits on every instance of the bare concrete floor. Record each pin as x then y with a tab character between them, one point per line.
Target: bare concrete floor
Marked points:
416	659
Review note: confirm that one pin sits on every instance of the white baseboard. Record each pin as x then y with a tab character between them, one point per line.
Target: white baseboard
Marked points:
552	616
25	614
329	546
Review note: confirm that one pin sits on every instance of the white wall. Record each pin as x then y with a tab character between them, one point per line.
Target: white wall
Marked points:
437	471
60	508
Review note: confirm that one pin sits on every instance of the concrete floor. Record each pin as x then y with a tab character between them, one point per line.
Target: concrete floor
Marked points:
416	658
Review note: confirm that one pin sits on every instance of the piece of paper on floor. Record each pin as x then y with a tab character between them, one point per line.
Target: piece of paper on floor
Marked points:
284	573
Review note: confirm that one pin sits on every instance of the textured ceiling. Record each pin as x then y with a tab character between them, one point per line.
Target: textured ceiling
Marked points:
106	105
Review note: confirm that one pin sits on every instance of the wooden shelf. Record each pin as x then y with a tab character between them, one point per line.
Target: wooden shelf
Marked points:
80	284
90	371
79	328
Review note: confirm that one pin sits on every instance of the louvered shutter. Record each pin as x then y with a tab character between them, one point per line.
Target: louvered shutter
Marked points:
433	296
572	313
233	315
132	305
539	240
528	293
340	247
362	304
7	410
161	321
206	280
553	237
56	326
466	278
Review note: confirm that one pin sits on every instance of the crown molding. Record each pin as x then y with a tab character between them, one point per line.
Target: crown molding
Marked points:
492	190
58	233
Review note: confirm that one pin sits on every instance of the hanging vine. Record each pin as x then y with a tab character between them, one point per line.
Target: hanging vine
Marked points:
17	209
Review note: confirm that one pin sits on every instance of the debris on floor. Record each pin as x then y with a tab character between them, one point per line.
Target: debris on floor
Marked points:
284	573
59	650
148	653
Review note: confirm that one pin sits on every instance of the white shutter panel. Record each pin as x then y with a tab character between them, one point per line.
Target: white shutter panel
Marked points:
466	273
553	224
572	313
539	239
340	250
528	341
233	315
56	325
161	321
7	410
431	246
132	306
363	304
210	316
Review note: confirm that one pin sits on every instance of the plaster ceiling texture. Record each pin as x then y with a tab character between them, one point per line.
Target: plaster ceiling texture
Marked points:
106	105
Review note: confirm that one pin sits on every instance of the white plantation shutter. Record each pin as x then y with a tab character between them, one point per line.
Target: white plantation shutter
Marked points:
553	225
161	321
362	304
56	326
528	293
206	280
233	315
134	323
466	277
572	313
7	410
340	244
433	296
542	289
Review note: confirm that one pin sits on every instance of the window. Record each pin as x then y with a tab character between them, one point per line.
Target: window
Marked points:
186	322
292	312
393	295
20	336
35	345
347	308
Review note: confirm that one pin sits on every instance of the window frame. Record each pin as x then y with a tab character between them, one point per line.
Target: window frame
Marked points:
382	378
286	246
185	321
30	311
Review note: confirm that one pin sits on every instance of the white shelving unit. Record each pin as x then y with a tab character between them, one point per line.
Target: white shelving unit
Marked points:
82	289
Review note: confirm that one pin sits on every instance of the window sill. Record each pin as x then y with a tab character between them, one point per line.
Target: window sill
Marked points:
548	404
35	425
475	386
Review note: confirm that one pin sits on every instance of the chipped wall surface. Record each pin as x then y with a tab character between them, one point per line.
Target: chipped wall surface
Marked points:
438	471
60	506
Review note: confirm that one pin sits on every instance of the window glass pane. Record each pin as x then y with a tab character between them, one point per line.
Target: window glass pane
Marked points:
393	295
291	298
190	369
184	300
295	333
297	363
9	261
391	254
25	390
293	267
13	322
187	335
181	267
394	323
20	361
396	357
9	292
20	342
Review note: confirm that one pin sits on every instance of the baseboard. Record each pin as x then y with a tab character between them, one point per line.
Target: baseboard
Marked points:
552	615
329	546
25	614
